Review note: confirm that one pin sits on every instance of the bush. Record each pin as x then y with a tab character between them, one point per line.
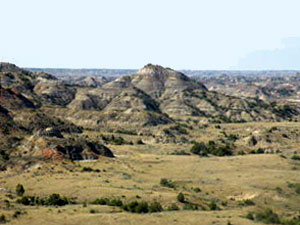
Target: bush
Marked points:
180	197
196	189
260	151
140	142
57	200
155	207
101	201
295	186
52	200
213	205
250	216
247	202
2	219
137	207
199	149
92	211
173	207
181	152
4	155
167	183
190	206
180	128
115	202
211	148
20	190
295	157
87	169
222	151
25	200
268	217
17	214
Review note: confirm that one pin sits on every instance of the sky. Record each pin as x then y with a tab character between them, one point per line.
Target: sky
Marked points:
181	34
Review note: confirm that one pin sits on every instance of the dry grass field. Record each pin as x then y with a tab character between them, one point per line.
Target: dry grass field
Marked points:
136	171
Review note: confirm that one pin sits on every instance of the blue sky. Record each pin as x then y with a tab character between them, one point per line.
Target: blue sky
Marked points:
186	34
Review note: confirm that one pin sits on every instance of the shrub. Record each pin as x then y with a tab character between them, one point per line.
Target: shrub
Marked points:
155	207
268	217
278	190
173	207
137	207
100	201
92	211
197	190
180	197
181	152
2	219
52	200
87	169
190	206
199	149
232	137
140	142
180	128
167	183
250	216
295	186
16	214
295	157
25	200
247	202
4	155
142	207
57	200
222	151
213	205
211	148
20	190
260	151
131	207
115	202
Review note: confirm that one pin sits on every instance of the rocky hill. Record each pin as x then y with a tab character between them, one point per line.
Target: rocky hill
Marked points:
23	99
157	95
42	113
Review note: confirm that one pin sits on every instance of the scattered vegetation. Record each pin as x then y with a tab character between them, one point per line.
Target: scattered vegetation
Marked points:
247	202
181	152
167	183
211	148
111	139
129	132
295	186
143	207
109	202
270	217
173	207
89	169
52	200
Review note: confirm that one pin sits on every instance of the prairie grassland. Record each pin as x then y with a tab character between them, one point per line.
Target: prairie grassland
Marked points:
136	172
